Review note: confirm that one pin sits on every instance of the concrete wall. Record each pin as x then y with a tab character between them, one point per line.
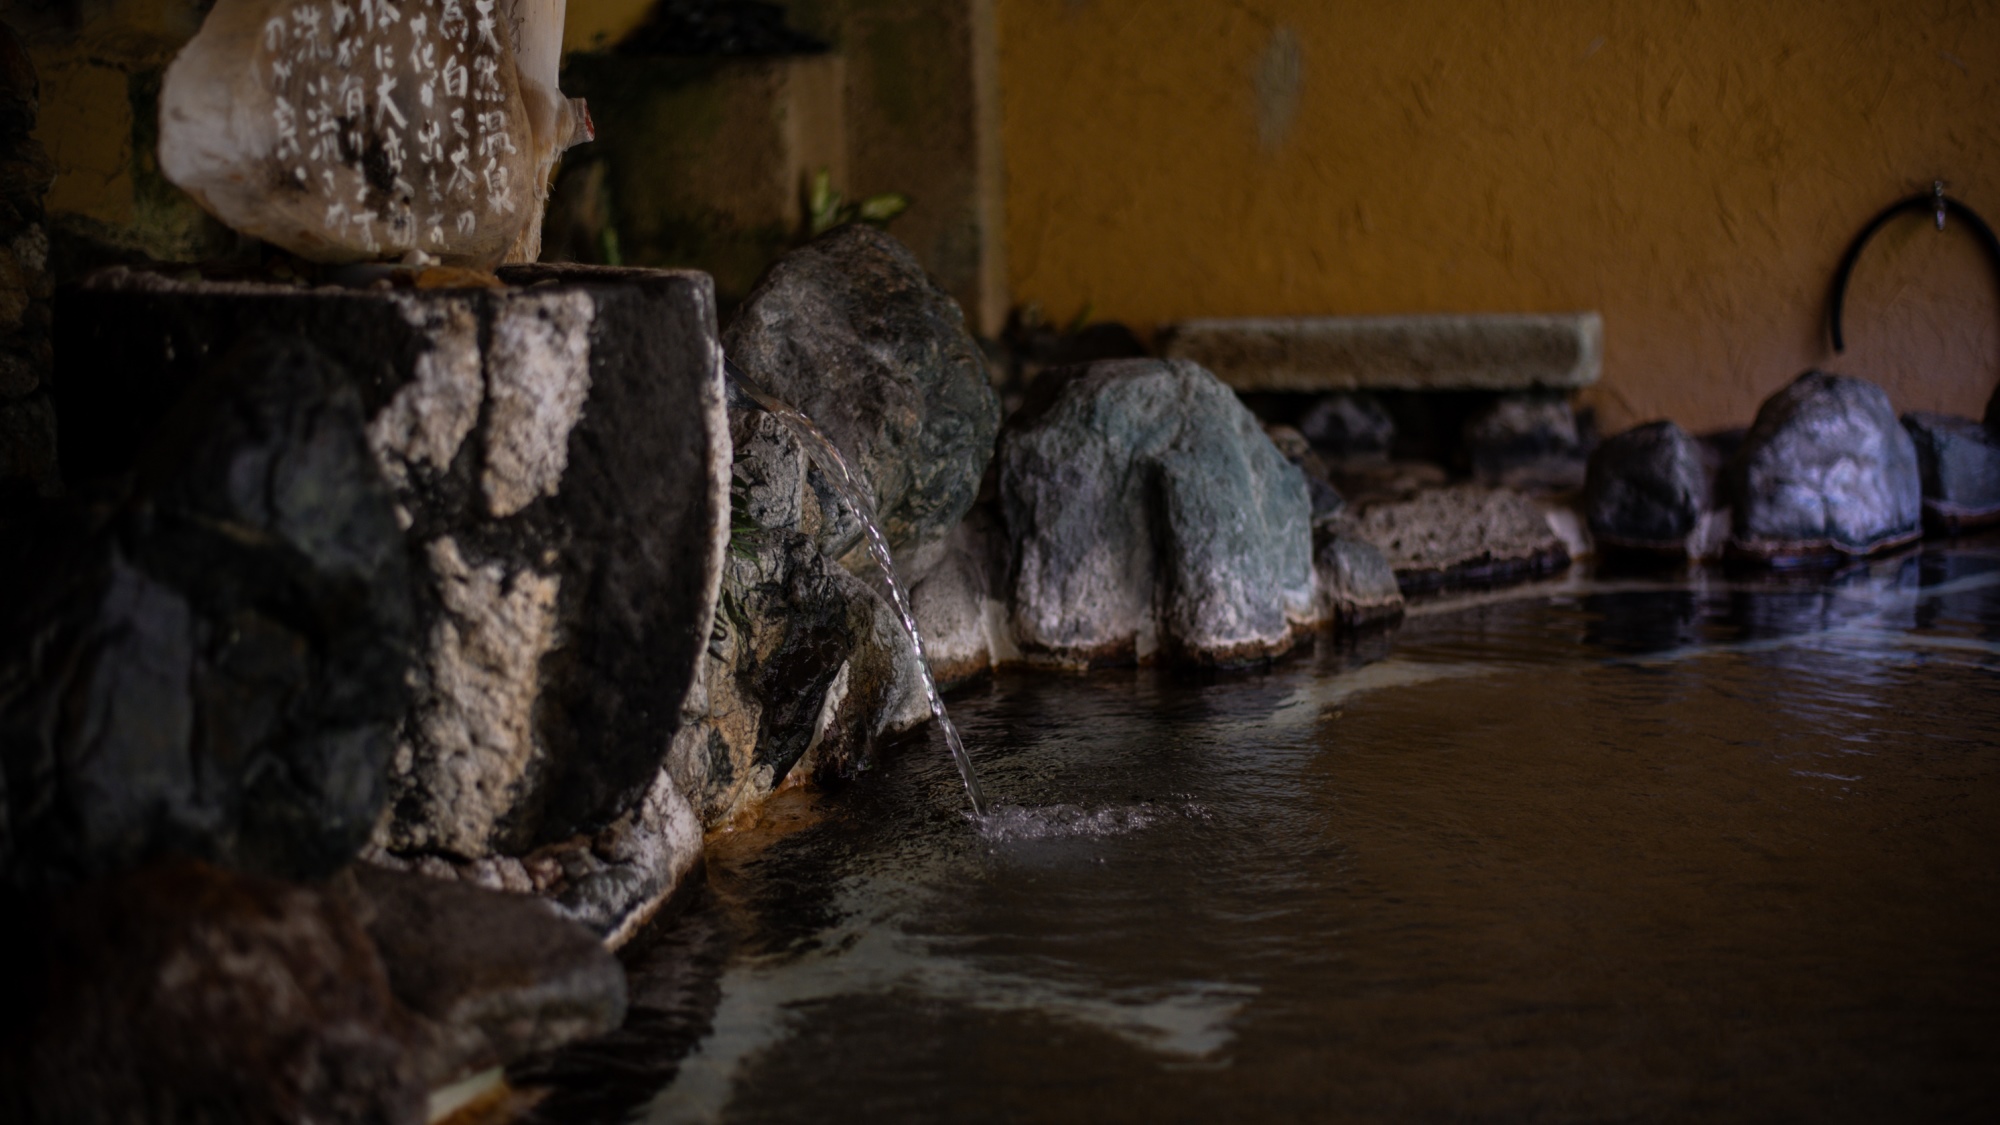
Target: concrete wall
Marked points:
1691	168
914	109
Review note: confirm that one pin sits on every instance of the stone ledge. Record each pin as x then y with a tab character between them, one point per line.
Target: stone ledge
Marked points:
1477	352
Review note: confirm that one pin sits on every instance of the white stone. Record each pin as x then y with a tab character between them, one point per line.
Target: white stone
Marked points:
432	415
477	720
539	367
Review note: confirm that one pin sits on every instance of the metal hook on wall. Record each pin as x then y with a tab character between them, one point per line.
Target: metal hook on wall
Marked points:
1934	201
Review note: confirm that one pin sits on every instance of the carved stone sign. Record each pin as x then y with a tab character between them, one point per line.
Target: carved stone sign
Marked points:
350	130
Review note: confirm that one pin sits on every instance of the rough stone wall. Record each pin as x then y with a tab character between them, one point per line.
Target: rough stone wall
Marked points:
27	419
101	66
556	458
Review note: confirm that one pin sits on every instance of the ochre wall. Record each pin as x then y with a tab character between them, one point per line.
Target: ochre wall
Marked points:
1692	169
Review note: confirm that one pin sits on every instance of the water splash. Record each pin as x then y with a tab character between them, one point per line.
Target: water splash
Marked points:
1006	823
828	457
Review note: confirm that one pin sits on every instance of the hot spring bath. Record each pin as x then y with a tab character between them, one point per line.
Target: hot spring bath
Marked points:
1604	848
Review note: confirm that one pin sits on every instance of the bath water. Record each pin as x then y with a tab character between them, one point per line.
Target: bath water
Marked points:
1652	849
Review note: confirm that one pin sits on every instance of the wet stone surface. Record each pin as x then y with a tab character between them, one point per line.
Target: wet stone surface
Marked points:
1460	535
1959	460
1826	467
492	976
1647	488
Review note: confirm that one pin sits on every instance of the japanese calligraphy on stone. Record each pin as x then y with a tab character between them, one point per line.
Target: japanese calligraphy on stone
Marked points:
361	129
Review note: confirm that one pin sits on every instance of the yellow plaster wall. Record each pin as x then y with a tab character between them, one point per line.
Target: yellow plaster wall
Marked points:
1691	168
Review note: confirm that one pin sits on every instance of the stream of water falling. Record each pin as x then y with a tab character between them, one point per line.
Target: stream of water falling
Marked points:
828	457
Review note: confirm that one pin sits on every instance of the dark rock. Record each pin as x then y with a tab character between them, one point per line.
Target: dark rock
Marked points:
611	883
1959	461
557	450
807	666
1149	515
27	419
181	992
1357	586
493	976
1030	345
1459	536
1718	449
850	331
1327	501
1525	441
1826	468
1347	426
219	670
713	28
775	485
28	444
806	669
1646	489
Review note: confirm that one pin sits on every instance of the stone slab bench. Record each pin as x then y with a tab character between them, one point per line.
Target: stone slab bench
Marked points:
1473	352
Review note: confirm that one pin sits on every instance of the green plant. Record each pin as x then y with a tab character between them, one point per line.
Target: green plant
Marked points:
825	209
746	535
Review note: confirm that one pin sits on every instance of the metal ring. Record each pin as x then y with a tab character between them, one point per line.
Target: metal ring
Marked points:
1925	202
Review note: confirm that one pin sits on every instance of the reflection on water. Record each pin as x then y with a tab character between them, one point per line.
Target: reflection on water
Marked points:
1699	847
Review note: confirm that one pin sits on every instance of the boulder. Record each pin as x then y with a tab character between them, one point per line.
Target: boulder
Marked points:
1149	516
182	992
1525	440
217	668
1357	586
1349	427
951	593
806	666
490	977
1646	489
557	451
850	330
1327	501
28	445
1958	460
349	133
612	882
1462	535
1825	468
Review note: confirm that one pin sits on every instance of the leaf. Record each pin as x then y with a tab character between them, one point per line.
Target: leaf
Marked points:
823	205
823	198
880	208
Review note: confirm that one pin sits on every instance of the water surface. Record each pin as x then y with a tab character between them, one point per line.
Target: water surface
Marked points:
1601	849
